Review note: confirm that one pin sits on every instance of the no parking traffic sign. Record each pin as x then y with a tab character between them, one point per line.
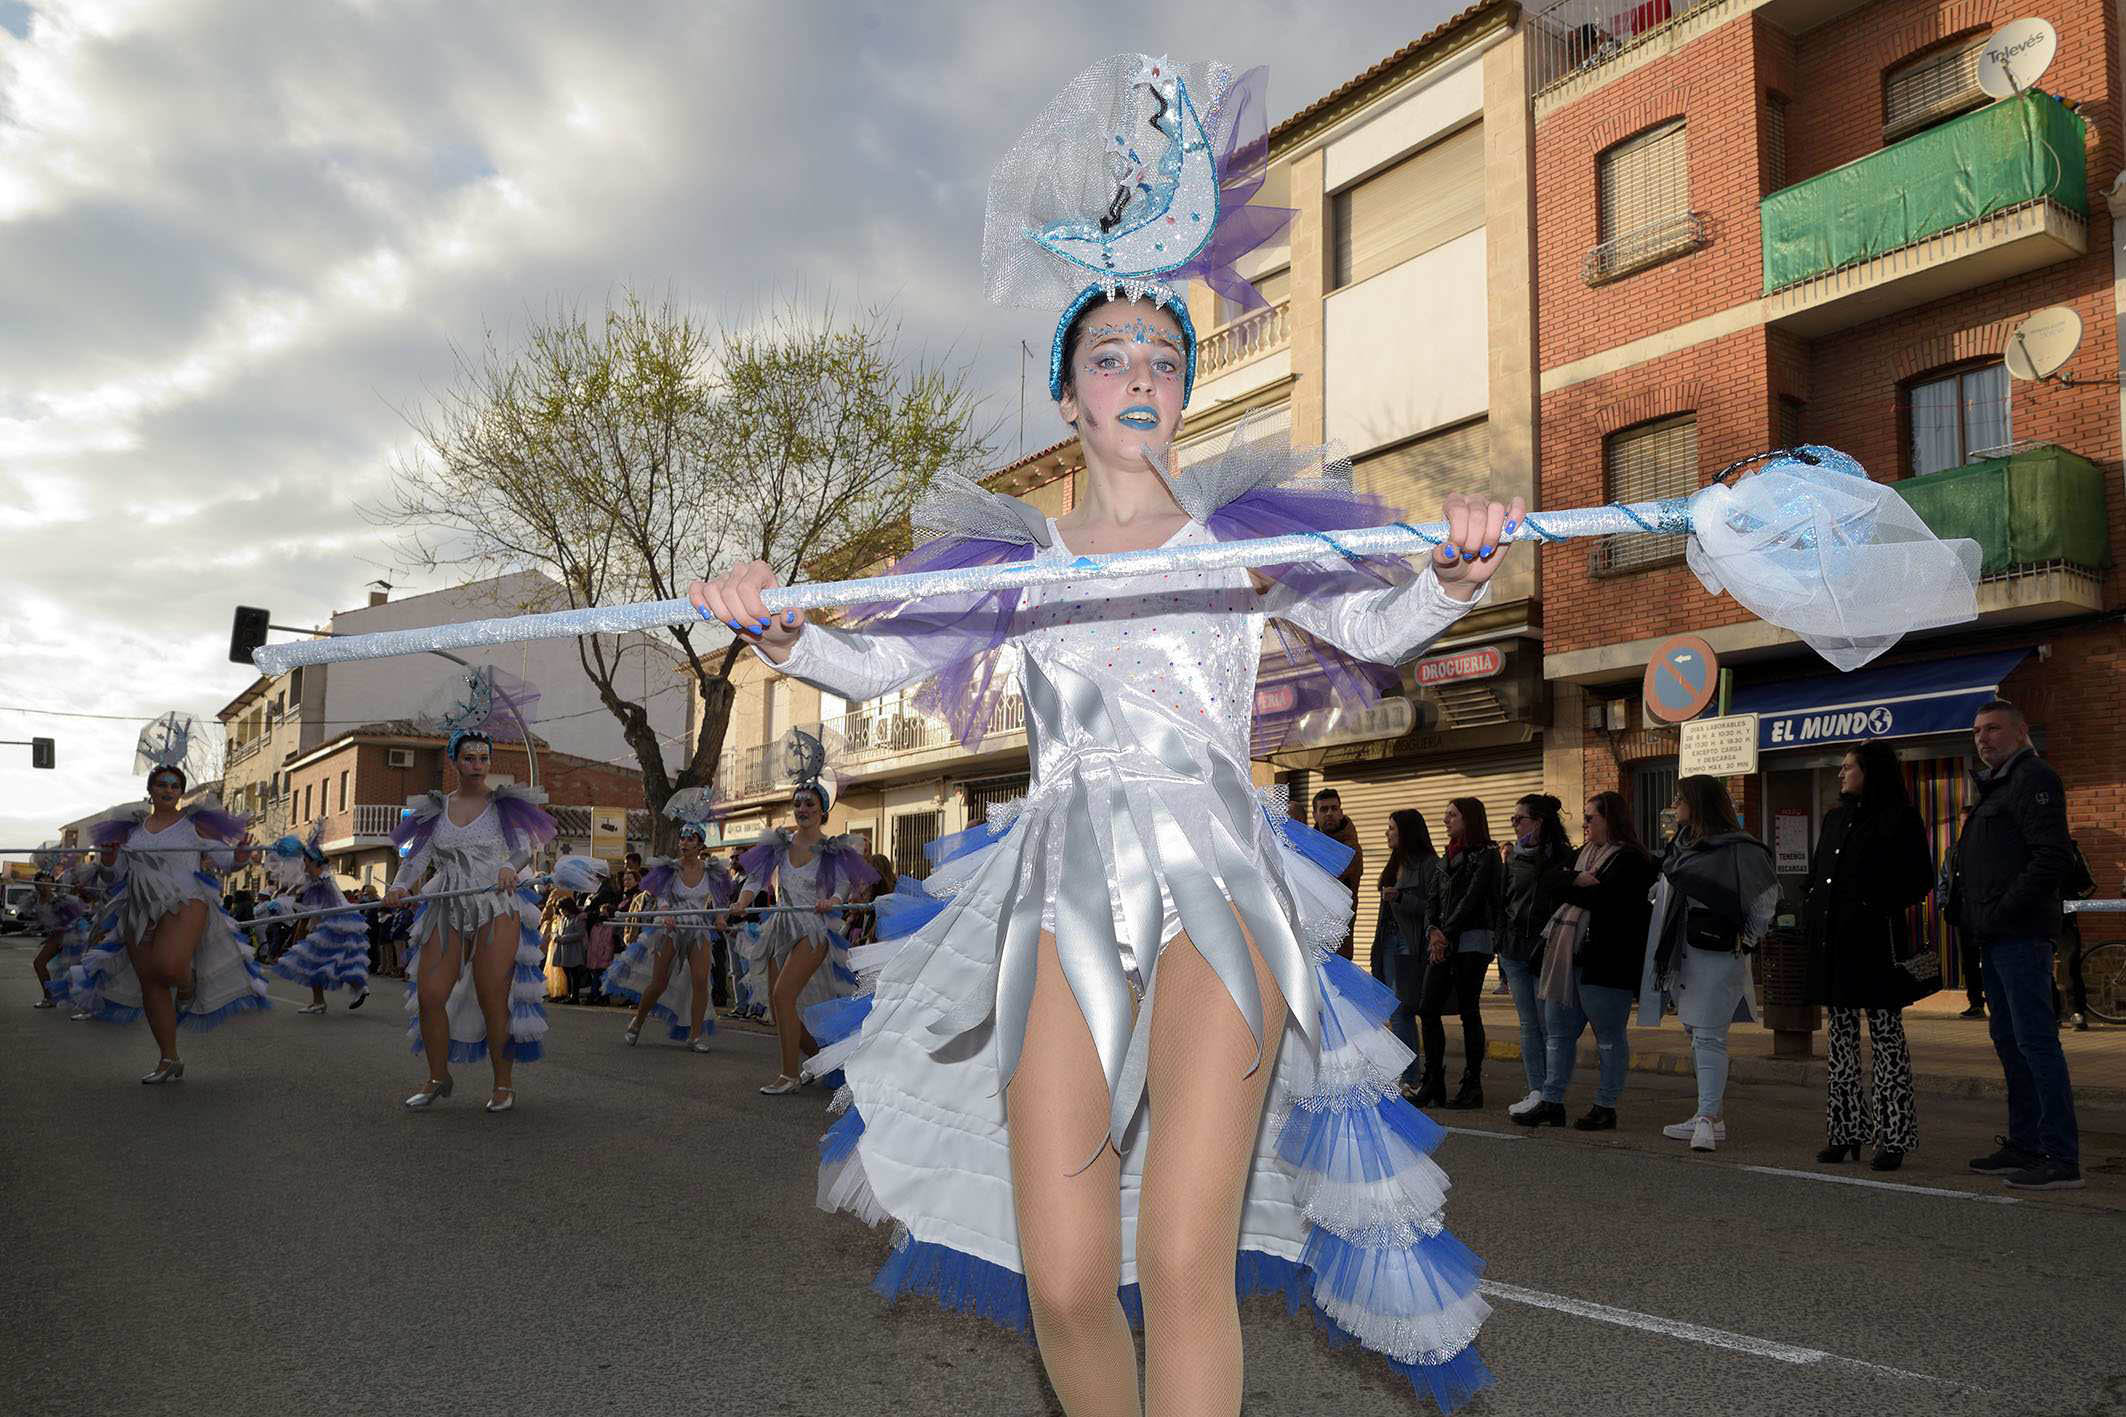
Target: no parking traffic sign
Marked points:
1681	679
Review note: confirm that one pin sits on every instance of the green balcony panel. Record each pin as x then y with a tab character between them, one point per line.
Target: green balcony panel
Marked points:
2037	507
2007	155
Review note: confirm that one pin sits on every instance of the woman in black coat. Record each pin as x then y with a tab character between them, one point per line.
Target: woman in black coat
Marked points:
1462	932
1399	932
1871	866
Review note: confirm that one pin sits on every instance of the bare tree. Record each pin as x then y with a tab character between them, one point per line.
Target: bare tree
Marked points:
628	455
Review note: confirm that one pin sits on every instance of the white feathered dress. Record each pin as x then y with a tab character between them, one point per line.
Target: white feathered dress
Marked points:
632	973
334	952
455	858
148	885
836	869
1143	821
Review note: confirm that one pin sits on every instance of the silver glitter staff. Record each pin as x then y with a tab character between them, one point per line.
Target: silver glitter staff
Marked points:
1808	543
260	921
639	917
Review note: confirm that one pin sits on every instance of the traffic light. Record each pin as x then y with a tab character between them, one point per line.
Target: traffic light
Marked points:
248	633
43	754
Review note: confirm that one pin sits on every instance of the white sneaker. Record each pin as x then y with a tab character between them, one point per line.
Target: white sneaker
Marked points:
1526	1105
1688	1131
1705	1135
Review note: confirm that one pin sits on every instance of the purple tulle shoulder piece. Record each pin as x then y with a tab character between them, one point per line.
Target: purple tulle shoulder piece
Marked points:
414	831
961	633
843	870
756	861
657	881
217	825
113	831
525	823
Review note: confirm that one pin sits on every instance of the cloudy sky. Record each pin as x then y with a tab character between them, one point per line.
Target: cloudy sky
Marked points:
240	236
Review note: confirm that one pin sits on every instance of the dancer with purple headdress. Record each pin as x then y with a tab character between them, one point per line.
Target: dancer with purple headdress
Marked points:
473	986
327	953
59	910
1112	1047
163	947
805	958
671	958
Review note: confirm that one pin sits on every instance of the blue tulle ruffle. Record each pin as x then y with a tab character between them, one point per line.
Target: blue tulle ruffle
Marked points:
235	1008
833	1020
841	1138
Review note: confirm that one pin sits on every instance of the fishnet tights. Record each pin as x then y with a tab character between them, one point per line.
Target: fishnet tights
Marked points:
1208	1110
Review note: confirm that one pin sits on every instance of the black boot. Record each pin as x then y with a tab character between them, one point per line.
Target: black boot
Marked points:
1543	1114
1844	1151
1469	1096
1884	1159
1598	1119
1431	1092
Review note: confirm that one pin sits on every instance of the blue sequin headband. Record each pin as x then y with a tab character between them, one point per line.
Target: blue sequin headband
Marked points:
1172	304
464	736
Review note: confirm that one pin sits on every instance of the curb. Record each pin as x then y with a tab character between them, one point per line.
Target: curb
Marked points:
1813	1073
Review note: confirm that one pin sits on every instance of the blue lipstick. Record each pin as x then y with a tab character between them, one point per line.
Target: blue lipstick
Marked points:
1139	415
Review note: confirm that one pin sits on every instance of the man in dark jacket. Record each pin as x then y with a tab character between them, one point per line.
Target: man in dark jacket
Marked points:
1329	820
2011	857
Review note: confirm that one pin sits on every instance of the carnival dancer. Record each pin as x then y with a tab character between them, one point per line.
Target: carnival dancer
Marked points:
331	952
58	910
1077	1073
163	946
804	956
473	837
671	958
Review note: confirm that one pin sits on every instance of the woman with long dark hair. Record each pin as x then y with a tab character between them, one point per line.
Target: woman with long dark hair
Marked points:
1399	943
1461	933
1870	867
1594	943
1715	900
1538	850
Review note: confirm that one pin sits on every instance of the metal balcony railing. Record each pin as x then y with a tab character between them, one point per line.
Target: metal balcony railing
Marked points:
2036	510
1253	335
862	739
1643	246
372	820
1573	37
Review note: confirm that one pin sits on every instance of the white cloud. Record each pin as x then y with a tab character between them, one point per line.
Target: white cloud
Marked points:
242	235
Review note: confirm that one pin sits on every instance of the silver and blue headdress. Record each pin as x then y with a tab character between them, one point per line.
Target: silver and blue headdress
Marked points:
482	704
1135	179
286	858
694	808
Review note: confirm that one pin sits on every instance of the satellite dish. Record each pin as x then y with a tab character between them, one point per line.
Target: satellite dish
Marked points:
2016	57
2043	343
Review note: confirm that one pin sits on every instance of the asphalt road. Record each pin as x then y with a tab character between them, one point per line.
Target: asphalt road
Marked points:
274	1235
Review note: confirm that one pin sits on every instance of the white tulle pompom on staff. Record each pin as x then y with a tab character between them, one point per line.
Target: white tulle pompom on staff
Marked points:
1807	542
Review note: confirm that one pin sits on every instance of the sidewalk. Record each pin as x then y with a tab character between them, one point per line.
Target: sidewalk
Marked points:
1951	1056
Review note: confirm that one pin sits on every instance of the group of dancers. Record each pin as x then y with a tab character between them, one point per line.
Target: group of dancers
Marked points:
1108	1048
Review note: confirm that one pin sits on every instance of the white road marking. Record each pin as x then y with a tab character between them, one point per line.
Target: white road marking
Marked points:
1886	1185
1480	1132
1689	1332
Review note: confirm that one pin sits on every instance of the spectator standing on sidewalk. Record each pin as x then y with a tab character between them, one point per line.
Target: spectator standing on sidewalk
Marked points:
2011	858
1399	934
1538	849
1871	866
1329	820
1461	933
1716	898
1595	943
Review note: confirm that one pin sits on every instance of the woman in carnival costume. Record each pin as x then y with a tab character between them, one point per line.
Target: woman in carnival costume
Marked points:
476	836
804	957
1112	1045
670	959
331	952
163	946
59	910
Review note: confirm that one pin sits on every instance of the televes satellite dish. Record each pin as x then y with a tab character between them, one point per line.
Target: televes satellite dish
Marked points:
2043	343
2016	57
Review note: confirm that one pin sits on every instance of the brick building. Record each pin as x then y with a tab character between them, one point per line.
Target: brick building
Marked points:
1802	220
359	782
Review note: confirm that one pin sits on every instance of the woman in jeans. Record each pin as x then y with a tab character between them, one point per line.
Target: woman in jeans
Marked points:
1715	900
1538	852
1871	867
1595	941
1463	925
1399	931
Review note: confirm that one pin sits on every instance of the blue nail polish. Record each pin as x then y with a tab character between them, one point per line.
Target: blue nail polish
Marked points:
735	625
789	618
703	612
1507	530
1450	553
760	627
1486	552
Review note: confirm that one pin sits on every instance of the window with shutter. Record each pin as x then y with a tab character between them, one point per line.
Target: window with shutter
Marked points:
1642	204
1645	464
1423	201
911	833
1955	416
1933	86
1417	476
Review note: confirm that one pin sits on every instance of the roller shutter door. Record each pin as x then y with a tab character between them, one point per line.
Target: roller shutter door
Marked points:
1370	793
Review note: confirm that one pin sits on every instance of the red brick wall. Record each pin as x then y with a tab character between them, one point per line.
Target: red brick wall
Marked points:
1715	86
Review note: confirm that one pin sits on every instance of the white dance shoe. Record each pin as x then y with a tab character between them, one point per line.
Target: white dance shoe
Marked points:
509	1100
429	1097
166	1070
782	1086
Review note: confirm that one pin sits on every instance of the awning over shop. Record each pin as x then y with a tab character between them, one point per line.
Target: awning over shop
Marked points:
1901	701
